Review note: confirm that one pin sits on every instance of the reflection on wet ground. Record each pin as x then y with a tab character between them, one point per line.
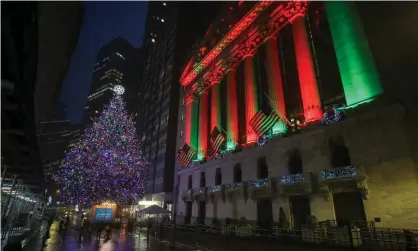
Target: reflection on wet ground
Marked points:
121	241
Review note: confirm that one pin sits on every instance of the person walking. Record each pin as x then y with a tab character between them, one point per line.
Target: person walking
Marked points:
99	232
67	221
82	234
90	229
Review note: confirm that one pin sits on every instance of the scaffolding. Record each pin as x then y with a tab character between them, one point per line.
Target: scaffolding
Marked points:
21	208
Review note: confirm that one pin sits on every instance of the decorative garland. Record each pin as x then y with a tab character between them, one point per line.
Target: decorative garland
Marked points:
330	119
261	141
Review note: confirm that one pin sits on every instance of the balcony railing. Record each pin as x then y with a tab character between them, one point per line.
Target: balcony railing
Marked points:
300	183
215	189
292	179
234	186
200	190
260	183
339	173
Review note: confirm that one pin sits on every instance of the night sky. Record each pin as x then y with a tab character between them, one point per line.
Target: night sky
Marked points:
103	21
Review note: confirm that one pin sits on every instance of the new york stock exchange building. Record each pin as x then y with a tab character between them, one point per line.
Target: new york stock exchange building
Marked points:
303	110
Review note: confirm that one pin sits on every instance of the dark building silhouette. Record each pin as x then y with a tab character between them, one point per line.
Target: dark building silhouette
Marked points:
37	41
169	30
58	29
35	56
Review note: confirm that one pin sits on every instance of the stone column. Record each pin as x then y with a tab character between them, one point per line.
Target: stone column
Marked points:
188	123
215	116
307	77
275	82
358	71
251	106
194	133
203	125
232	110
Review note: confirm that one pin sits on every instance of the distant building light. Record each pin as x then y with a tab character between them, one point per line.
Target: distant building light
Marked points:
153	40
164	4
162	20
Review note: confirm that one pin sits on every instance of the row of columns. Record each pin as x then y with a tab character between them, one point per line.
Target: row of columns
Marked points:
308	87
308	84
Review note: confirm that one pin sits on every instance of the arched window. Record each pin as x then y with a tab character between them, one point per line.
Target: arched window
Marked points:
218	176
202	179
262	169
295	162
237	173
340	156
190	182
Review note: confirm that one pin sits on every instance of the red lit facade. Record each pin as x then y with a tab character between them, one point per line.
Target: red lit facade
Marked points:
305	56
246	56
237	46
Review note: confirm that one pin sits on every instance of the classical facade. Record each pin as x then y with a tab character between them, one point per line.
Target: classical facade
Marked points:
298	58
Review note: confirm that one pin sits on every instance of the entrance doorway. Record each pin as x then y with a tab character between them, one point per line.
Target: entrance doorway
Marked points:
202	212
264	213
349	208
300	208
188	217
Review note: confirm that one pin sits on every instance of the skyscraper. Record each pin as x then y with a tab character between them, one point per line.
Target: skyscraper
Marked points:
113	67
38	39
170	28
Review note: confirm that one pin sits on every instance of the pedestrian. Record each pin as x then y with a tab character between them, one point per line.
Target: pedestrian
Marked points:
108	234
62	225
82	233
99	232
90	229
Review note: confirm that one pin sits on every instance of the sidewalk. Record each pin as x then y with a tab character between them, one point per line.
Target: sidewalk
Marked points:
120	241
208	241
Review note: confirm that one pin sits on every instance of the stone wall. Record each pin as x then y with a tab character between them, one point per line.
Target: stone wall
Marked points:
377	144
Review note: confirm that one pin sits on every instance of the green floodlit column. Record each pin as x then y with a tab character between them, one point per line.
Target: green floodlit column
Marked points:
358	71
194	134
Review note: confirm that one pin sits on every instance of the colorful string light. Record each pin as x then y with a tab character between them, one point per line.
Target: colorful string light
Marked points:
107	164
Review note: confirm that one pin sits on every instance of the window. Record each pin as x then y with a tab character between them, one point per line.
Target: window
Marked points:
190	182
340	156
162	144
183	103
295	162
218	176
202	179
181	133
164	119
262	169
237	173
182	117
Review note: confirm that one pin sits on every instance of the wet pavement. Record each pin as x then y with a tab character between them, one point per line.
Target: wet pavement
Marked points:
120	241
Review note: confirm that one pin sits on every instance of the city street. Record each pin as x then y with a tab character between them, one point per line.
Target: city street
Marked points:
120	241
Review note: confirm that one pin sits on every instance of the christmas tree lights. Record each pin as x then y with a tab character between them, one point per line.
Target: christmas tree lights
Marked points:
107	164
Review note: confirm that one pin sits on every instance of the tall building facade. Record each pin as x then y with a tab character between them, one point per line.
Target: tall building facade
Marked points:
113	67
75	135
53	138
170	31
299	58
59	29
38	40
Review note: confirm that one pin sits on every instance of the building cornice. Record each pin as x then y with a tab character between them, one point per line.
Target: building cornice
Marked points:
267	21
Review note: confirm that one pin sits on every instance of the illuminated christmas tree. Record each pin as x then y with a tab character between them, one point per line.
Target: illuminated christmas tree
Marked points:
107	163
